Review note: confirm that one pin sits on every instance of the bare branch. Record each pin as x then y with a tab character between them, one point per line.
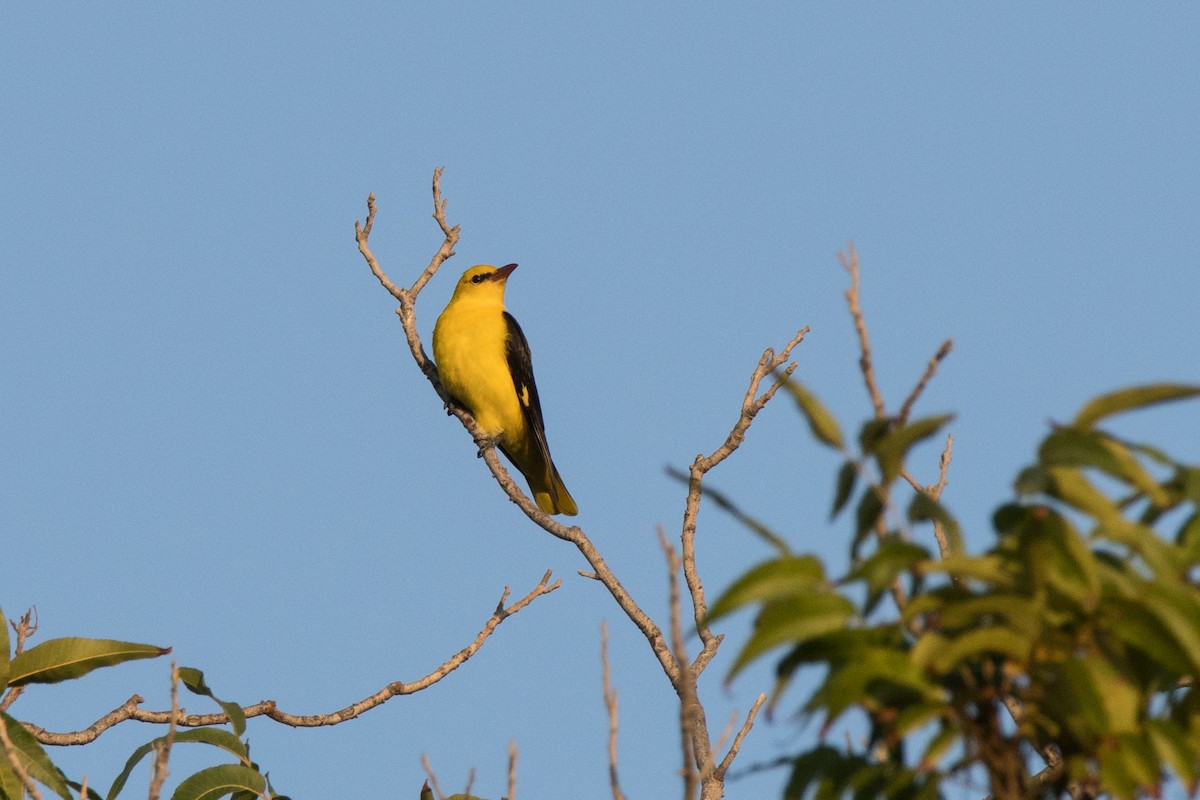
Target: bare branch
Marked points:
24	628
930	370
437	790
752	403
162	750
610	706
130	710
693	731
850	263
512	771
727	761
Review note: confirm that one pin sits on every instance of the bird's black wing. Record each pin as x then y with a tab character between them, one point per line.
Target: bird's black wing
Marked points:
520	364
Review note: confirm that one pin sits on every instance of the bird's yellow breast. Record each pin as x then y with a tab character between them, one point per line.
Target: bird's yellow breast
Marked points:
469	346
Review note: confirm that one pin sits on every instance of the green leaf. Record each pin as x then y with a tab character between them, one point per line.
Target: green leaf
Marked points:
793	620
943	654
1134	397
1058	557
876	678
1177	610
5	650
893	448
1141	763
1073	488
820	419
924	508
193	679
1015	611
1032	480
769	581
1072	447
1104	700
1172	749
426	792
34	760
869	510
218	781
11	787
872	432
213	736
65	659
893	557
989	569
845	487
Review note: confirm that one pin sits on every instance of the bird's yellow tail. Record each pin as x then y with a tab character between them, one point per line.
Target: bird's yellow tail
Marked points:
553	498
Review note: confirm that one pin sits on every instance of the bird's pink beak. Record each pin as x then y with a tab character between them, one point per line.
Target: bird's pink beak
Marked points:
502	273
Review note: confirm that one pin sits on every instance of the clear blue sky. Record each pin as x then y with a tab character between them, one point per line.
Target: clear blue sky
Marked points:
214	438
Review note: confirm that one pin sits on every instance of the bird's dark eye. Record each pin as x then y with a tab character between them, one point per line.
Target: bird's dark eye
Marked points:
477	278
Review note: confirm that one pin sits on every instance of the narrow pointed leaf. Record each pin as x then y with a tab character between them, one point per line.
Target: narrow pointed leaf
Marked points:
893	448
1134	397
820	419
10	784
846	478
193	679
64	659
213	736
924	508
214	782
869	510
1171	745
34	759
796	619
771	580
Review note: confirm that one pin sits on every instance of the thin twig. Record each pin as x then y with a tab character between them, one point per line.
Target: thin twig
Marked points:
693	741
470	781
24	628
267	708
723	767
433	780
930	370
850	263
512	771
162	750
752	403
610	706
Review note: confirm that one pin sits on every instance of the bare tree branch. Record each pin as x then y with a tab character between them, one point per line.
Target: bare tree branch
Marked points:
162	750
727	761
24	628
433	779
610	706
850	263
512	771
752	403
930	370
130	709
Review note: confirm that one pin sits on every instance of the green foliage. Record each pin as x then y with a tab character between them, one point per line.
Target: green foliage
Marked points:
1076	632
59	660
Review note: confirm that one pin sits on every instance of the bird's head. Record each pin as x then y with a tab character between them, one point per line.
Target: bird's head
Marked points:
483	279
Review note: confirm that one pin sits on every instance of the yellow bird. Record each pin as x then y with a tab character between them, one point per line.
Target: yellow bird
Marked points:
484	362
